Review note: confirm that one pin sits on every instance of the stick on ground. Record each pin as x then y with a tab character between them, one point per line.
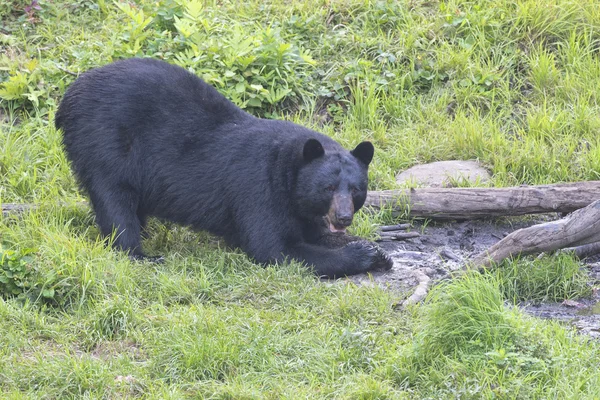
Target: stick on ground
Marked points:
421	290
391	228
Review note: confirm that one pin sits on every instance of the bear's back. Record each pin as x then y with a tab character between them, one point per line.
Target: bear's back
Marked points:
144	93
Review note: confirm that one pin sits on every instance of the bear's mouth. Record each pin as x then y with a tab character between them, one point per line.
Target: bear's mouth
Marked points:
334	228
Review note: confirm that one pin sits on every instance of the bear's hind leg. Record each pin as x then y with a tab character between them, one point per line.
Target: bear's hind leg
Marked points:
116	212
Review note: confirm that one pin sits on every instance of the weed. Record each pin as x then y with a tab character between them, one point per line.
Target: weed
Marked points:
16	272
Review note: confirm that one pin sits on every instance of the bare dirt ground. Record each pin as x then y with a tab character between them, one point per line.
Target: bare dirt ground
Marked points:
443	248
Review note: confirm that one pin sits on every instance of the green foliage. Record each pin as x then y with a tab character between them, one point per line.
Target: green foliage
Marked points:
135	33
465	332
22	85
550	278
166	12
366	221
17	9
467	312
15	272
253	66
115	319
31	153
20	277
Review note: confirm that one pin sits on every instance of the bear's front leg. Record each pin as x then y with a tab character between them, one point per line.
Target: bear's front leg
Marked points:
321	236
262	240
318	233
354	258
336	240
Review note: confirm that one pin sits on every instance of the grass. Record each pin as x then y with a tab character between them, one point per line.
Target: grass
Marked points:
549	278
512	84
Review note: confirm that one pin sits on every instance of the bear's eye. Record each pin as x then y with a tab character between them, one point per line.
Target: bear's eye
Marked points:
331	188
354	190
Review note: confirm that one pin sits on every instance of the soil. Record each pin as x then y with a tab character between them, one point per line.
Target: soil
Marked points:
443	248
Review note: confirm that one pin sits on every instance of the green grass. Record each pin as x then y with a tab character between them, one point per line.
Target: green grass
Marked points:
470	345
546	279
513	84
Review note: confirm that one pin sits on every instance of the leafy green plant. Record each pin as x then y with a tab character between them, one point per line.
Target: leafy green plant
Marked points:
22	85
252	65
12	9
15	271
135	33
427	71
20	277
166	13
113	321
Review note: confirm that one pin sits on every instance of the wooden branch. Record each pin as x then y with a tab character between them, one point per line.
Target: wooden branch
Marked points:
585	250
393	228
420	291
63	69
15	208
577	229
473	203
399	235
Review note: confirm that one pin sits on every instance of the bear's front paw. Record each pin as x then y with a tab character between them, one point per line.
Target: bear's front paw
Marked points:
366	256
384	262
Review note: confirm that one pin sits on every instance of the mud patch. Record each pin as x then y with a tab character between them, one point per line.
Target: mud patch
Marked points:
444	247
583	314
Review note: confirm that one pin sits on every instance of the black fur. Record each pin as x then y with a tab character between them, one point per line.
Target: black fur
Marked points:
146	138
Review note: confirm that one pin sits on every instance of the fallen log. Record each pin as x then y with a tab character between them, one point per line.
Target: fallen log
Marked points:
577	229
465	203
475	203
16	208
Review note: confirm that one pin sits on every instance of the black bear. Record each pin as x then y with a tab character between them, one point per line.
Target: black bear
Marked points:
147	138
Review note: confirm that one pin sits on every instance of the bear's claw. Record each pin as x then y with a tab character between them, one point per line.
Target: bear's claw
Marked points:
369	256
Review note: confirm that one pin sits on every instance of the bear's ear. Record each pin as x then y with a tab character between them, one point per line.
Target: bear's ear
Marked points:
312	150
364	152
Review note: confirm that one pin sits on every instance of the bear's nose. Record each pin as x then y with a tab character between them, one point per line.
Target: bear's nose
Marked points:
344	220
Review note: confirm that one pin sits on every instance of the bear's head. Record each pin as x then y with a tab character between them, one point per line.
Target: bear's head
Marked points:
332	185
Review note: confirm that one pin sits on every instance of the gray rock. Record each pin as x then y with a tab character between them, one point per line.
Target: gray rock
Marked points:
444	173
